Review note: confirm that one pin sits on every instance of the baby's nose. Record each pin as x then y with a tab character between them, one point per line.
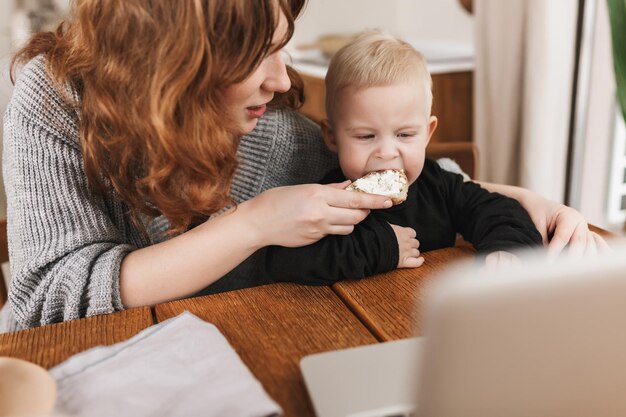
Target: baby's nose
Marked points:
387	150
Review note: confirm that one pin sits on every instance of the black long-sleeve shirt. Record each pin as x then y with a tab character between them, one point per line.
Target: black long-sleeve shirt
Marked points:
439	205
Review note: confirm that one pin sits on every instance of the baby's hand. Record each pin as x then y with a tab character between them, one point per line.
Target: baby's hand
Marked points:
408	247
500	260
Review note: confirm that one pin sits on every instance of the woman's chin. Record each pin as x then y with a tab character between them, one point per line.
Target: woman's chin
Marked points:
248	126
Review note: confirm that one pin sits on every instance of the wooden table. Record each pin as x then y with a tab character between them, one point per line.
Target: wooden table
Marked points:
271	327
389	304
49	345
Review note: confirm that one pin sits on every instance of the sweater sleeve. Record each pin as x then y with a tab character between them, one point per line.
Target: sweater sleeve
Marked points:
370	249
66	245
490	221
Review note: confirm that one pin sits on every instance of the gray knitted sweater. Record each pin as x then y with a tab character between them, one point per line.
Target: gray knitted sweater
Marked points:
66	244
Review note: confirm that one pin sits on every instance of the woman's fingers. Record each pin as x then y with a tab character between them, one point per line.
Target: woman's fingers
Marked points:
349	199
340	230
501	260
340	185
342	216
595	244
592	247
572	231
561	238
578	240
600	242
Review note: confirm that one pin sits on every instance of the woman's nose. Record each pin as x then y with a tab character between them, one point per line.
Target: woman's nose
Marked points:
276	79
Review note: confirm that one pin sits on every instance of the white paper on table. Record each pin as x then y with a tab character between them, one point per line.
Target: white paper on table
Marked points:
181	367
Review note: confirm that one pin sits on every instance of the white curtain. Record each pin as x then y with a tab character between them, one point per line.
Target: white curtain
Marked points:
523	78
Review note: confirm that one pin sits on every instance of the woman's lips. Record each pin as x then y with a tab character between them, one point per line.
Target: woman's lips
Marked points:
256	111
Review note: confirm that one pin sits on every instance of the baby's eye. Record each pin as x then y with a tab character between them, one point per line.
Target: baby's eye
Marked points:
367	136
406	134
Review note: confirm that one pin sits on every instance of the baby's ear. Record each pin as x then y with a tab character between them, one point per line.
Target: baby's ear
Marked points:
432	125
329	135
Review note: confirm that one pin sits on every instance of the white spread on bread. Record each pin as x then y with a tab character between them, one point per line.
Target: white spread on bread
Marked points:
390	182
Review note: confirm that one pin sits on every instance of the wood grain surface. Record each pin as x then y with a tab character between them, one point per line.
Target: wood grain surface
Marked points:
273	327
50	345
389	304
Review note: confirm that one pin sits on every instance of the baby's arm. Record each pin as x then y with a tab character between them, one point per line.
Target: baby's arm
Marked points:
490	221
371	249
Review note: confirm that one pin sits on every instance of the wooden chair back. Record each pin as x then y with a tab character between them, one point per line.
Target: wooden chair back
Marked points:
464	153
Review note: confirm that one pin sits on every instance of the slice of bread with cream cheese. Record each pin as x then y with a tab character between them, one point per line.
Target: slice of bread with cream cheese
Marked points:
392	183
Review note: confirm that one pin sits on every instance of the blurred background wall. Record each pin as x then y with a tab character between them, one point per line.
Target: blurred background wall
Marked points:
427	20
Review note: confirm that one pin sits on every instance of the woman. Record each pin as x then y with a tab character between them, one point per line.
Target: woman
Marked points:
125	131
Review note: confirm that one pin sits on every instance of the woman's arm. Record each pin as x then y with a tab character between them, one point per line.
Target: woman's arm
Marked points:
558	224
286	216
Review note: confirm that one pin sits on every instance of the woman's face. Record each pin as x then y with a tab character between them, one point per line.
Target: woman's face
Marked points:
245	102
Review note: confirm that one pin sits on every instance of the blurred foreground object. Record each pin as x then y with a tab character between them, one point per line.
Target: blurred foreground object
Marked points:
26	389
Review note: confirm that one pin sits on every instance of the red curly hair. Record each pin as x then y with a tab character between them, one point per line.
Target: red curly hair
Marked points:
149	74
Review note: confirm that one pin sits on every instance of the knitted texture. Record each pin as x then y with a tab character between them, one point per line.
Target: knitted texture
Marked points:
66	244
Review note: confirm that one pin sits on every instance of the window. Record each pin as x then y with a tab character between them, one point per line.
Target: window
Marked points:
617	182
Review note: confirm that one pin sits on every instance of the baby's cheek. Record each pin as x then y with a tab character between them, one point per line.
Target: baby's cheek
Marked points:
350	173
352	168
411	177
413	174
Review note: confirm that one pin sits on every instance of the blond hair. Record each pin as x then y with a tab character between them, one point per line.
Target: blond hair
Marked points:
373	59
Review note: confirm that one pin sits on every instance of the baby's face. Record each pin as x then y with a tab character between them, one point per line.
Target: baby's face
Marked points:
378	128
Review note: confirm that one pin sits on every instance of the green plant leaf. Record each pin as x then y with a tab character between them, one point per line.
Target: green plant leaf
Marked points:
617	14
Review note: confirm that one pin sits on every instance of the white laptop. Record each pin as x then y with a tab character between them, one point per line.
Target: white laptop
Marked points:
546	339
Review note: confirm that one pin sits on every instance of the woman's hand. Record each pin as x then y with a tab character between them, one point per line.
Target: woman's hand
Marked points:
408	247
300	215
501	259
563	225
558	224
